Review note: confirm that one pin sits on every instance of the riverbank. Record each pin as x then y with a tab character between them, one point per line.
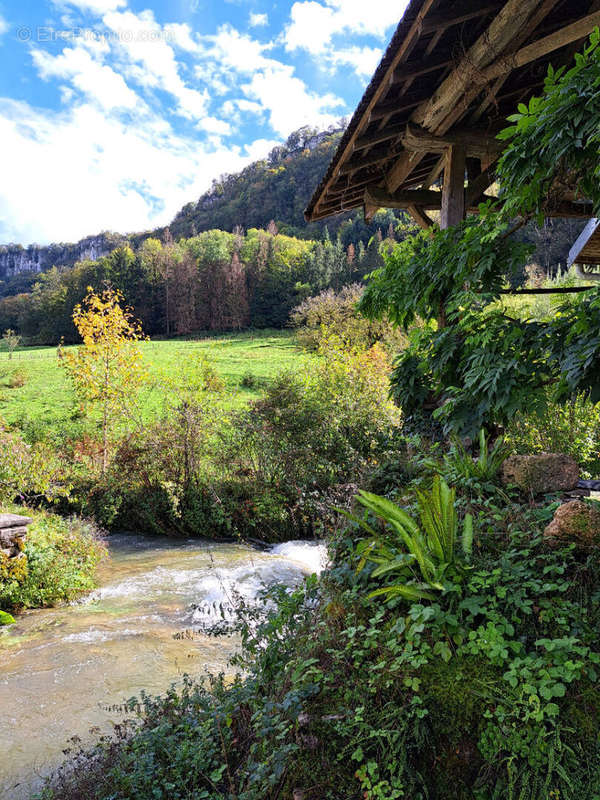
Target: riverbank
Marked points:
69	669
59	561
479	684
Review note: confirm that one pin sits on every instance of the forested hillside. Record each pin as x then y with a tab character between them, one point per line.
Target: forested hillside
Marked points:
213	281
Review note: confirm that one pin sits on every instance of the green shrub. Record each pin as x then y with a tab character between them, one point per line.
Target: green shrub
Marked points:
334	315
28	471
61	560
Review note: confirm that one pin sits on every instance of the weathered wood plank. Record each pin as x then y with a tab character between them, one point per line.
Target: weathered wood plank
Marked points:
542	47
14	521
491	44
453	191
419	216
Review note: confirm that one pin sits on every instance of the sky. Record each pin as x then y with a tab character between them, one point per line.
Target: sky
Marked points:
115	113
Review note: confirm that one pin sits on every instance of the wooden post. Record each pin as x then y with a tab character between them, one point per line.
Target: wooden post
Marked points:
453	199
453	192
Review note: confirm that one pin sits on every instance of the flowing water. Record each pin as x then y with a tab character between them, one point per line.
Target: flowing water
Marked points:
62	669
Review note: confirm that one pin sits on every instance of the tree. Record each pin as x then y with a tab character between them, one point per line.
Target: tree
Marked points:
484	365
107	369
12	340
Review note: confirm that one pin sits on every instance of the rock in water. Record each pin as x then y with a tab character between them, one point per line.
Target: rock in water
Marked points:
577	522
541	473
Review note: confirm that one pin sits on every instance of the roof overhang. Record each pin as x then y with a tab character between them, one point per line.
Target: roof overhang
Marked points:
451	74
586	249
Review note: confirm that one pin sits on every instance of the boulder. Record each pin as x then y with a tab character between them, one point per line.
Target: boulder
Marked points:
577	522
541	473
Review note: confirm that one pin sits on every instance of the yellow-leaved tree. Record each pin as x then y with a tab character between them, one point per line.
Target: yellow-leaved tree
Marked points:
107	370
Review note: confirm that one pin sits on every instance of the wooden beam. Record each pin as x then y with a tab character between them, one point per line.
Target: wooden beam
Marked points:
354	166
475	142
384	135
536	19
419	216
425	198
477	187
543	47
453	192
434	174
403	166
408	71
434	23
397	107
369	210
495	40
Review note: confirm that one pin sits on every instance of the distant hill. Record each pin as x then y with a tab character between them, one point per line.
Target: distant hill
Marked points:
277	189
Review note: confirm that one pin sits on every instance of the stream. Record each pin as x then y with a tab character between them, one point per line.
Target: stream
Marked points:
62	669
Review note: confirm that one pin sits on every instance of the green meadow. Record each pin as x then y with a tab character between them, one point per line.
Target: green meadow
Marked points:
33	386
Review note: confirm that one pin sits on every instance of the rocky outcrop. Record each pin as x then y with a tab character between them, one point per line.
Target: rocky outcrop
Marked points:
577	522
15	259
541	473
13	530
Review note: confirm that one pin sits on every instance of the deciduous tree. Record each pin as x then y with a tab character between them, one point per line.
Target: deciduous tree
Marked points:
107	369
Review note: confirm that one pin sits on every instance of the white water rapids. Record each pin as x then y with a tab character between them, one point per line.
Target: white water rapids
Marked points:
62	669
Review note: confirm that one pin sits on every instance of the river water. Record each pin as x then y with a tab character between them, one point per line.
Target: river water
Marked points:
62	669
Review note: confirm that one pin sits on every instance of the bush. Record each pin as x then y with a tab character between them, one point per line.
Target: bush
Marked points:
257	472
60	561
29	471
334	315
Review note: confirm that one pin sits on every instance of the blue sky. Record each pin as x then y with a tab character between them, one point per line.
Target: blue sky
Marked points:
115	113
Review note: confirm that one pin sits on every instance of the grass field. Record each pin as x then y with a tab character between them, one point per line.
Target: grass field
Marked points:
46	395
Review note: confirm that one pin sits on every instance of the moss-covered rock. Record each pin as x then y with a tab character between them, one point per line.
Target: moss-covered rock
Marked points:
541	473
577	522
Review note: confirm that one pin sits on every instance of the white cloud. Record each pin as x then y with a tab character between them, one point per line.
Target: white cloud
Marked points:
214	125
273	86
99	82
288	102
93	172
258	20
148	59
314	25
261	148
4	26
180	34
364	59
98	7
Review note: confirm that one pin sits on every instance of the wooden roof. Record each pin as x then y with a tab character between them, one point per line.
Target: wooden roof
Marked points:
451	74
586	249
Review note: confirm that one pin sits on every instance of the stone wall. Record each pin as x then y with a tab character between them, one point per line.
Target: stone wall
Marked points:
13	530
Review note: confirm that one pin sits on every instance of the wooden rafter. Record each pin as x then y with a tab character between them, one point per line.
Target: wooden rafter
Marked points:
485	83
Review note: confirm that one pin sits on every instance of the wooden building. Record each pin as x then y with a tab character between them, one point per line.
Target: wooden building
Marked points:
423	135
586	249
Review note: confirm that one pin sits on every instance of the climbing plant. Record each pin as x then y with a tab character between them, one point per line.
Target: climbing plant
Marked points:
470	363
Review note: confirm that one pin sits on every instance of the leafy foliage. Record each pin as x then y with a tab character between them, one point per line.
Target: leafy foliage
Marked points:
460	468
60	562
482	694
334	315
571	426
479	366
430	548
107	369
29	472
554	140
